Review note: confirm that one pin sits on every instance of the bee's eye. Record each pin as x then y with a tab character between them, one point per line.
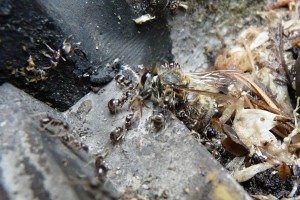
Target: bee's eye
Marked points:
144	78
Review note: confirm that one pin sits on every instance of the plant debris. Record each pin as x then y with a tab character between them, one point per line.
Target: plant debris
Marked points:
143	19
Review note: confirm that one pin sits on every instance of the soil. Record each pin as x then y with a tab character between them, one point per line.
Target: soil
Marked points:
269	182
24	33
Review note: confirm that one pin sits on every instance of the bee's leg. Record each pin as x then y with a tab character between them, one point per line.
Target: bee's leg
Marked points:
143	104
140	99
140	104
49	48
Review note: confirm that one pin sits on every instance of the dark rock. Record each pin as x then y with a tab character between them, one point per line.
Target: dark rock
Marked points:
34	163
5	7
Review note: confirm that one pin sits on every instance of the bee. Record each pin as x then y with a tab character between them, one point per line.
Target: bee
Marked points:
61	130
213	105
196	98
115	103
116	134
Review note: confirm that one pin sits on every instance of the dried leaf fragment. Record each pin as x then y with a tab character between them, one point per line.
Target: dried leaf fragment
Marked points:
249	172
284	171
144	18
255	88
264	197
232	143
253	127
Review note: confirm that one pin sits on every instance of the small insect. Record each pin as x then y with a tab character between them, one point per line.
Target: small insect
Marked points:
125	82
60	129
114	104
70	140
138	102
118	133
66	49
80	145
174	5
48	122
178	92
158	120
101	168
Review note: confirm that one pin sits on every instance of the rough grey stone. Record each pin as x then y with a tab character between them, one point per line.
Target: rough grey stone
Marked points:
35	164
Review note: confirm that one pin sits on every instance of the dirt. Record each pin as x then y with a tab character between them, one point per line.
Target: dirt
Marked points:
24	33
269	182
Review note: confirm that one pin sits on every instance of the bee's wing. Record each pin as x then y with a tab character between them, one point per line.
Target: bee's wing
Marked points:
214	81
228	82
219	97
